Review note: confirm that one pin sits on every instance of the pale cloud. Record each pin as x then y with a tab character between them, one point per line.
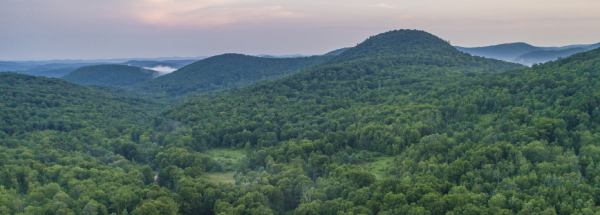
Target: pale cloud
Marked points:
193	13
88	29
384	5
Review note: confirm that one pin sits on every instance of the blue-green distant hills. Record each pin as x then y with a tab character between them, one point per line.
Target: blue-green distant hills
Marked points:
525	53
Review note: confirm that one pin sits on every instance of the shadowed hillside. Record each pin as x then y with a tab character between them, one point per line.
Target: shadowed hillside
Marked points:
110	75
225	72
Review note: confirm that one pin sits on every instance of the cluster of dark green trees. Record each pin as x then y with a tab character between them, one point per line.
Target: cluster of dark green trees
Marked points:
468	135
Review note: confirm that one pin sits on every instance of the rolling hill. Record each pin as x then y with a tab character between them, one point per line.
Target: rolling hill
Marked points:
525	53
505	52
359	79
414	47
110	75
593	46
39	103
224	72
455	136
400	124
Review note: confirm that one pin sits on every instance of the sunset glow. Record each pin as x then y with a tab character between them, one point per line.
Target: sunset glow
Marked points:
121	28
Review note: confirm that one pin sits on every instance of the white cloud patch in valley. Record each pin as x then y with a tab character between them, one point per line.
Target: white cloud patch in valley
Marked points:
162	70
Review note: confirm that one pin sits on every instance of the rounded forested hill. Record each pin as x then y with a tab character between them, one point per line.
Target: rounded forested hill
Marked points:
31	103
223	72
110	75
415	47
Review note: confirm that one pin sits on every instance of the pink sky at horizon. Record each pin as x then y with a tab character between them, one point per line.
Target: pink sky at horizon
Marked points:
94	29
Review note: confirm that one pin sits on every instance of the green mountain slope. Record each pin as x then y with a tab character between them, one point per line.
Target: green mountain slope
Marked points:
485	143
350	83
110	75
446	133
414	47
313	129
398	43
224	72
37	103
546	55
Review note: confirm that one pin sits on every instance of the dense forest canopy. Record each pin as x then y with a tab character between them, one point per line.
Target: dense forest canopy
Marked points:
410	127
110	75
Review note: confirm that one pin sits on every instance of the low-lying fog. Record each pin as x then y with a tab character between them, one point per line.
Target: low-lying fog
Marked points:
162	70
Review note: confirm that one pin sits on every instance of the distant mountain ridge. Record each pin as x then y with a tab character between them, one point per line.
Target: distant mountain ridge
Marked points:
281	56
519	52
59	68
215	72
170	63
331	53
546	55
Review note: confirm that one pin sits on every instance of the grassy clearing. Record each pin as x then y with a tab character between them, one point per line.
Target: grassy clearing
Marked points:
226	177
222	155
229	158
379	166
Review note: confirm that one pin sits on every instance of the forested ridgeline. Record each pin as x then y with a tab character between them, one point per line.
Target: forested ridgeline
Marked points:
224	72
110	75
463	134
518	142
415	47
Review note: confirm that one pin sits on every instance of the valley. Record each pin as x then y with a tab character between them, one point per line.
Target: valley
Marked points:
402	123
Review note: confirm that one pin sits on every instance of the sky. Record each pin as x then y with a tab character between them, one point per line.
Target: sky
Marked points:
103	29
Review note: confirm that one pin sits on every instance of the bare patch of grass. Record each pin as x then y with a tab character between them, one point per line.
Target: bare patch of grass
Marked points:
229	158
225	177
